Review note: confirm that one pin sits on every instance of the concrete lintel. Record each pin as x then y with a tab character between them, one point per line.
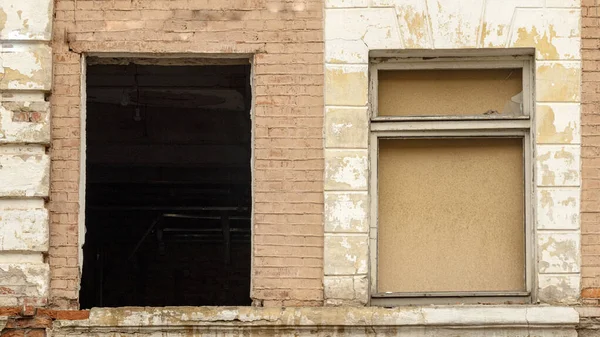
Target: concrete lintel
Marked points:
480	316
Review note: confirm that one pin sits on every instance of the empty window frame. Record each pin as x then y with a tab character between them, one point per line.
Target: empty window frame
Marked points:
451	180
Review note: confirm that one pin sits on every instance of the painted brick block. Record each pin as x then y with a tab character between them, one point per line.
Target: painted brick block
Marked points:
554	33
559	252
346	170
558	165
23	229
342	51
346	212
346	254
558	208
23	281
346	3
413	21
26	20
346	85
497	20
25	67
558	81
25	122
346	127
375	28
558	123
346	290
24	171
450	32
560	289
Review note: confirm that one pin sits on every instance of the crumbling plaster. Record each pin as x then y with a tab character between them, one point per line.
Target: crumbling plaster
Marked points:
404	321
354	27
25	79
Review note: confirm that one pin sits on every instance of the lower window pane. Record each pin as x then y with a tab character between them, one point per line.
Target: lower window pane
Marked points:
451	215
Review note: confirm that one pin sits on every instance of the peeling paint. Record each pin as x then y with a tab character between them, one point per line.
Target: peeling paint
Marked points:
346	255
558	124
26	67
558	82
26	20
25	122
346	170
559	253
345	212
558	165
24	176
542	43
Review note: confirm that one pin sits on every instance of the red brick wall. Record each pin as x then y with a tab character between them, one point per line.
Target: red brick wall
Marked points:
590	122
286	39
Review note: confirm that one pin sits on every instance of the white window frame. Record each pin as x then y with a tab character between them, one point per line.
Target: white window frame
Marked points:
464	126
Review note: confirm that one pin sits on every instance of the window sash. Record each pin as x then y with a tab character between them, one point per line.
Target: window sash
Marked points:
453	127
485	63
529	229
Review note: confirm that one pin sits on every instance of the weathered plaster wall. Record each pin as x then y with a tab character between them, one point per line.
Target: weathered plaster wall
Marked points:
25	79
468	321
352	28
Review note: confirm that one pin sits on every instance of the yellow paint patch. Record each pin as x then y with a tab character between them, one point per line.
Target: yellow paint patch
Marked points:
569	201
3	18
38	78
557	83
542	43
562	154
546	199
546	128
416	23
345	87
485	31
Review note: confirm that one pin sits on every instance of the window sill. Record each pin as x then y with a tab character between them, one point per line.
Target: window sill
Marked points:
470	317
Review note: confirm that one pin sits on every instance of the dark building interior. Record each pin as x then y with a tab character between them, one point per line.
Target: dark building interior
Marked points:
168	183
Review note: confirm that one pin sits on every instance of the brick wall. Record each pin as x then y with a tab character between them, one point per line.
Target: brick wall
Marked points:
286	40
590	151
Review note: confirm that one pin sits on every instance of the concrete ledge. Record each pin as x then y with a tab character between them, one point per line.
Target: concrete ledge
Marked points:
435	316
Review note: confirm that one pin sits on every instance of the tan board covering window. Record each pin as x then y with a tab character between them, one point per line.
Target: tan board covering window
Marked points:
450	92
451	215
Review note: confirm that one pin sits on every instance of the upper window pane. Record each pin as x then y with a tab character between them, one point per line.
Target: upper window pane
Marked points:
450	92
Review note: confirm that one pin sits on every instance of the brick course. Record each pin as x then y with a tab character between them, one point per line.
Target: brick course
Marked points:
286	41
590	152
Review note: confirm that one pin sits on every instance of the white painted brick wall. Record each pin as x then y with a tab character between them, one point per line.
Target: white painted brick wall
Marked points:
25	78
352	28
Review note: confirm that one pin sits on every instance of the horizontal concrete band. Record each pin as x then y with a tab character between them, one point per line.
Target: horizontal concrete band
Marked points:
434	316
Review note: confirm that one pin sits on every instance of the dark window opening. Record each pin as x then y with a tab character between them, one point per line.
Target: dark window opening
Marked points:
168	185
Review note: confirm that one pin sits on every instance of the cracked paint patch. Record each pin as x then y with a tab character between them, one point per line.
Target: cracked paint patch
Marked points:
346	170
558	208
559	253
558	165
25	122
23	173
26	20
346	212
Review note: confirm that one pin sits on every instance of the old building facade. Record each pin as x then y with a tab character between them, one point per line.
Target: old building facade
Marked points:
281	127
